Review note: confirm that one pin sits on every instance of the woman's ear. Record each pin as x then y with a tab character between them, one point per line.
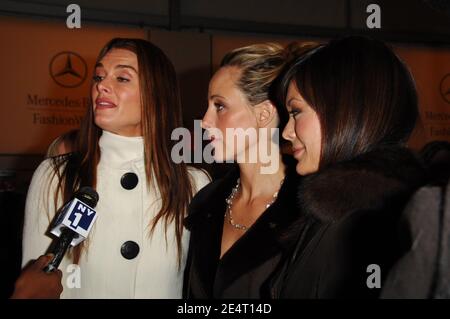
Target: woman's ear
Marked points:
266	112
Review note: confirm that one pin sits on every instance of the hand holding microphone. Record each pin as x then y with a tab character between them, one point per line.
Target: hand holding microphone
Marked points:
41	279
73	224
34	283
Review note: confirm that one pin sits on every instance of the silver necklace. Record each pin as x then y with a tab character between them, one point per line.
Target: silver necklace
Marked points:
230	199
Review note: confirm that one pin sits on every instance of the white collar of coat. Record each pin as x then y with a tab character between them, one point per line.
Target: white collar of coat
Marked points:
117	150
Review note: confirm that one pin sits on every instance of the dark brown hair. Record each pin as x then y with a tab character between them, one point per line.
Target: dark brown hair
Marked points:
161	113
363	94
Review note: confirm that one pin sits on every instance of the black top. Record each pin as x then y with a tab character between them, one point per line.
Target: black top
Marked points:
245	269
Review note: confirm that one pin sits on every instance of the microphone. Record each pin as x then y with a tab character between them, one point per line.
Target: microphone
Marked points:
73	224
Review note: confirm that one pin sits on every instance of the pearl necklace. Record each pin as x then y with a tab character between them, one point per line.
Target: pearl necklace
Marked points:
230	199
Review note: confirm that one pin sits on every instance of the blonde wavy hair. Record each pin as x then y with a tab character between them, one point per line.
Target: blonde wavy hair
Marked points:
260	65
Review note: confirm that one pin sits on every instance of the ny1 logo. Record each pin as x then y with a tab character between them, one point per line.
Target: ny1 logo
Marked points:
81	217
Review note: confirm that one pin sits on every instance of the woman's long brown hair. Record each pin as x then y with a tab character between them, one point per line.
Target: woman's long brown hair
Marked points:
161	113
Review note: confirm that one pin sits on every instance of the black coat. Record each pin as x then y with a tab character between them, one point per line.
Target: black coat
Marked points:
350	220
244	271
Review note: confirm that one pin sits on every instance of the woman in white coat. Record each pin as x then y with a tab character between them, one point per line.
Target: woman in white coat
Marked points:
137	247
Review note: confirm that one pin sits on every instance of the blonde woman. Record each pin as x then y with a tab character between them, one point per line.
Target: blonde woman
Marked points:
237	222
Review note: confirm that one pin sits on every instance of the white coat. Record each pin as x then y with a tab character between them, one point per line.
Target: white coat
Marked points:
123	215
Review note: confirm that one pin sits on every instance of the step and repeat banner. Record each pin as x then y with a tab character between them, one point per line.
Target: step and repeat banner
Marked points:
47	70
431	70
429	66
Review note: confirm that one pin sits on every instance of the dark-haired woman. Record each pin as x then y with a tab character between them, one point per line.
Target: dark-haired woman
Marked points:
353	106
137	248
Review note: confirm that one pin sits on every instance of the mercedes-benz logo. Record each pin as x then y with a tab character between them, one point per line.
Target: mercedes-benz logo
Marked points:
445	88
68	69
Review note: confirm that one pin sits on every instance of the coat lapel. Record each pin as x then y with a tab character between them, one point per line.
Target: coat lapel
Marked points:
205	220
262	242
208	274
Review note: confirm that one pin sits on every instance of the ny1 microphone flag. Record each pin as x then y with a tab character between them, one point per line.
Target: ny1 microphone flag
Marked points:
77	216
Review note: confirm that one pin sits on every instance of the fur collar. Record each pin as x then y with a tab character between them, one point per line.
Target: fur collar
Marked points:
367	182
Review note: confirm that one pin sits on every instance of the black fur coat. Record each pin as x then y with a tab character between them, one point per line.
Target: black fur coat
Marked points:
347	234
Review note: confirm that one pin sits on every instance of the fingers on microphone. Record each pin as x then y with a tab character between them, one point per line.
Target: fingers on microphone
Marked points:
42	261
